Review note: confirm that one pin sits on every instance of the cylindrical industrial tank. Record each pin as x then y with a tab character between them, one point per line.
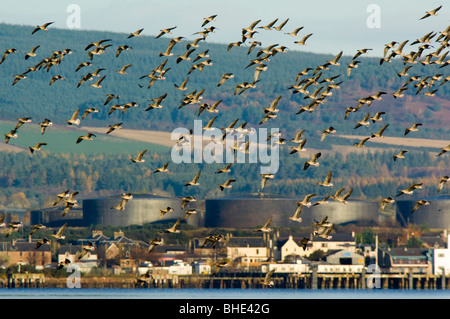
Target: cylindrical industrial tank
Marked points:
251	211
139	210
52	217
435	215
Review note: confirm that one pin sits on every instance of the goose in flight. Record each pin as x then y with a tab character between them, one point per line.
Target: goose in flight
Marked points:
87	137
322	201
336	59
14	226
420	203
74	120
41	242
213	239
155	242
364	122
385	201
380	132
362	142
313	161
360	52
352	65
266	228
431	13
224	78
182	87
114	127
43	27
98	83
209	19
226	169
208	127
324	230
295	32
188	213
60	197
85	250
55	78
410	189
327	181
174	229
32	53
297	138
304	242
303	40
265	178
37	147
269	26
442	181
399	155
227	184
187	200
36	228
268	279
281	25
60	233
444	150
296	217
194	181
123	69
122	48
11	134
123	202
88	111
306	200
165	211
165	31
139	157
342	198
273	106
18	77
217	266
22	121
61	264
136	33
325	132
162	169
413	128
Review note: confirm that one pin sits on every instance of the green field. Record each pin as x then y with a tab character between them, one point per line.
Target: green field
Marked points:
62	140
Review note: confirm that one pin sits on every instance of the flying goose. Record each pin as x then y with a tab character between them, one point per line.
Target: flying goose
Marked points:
399	92
269	26
410	189
312	162
11	134
41	242
60	232
342	198
213	239
114	127
268	279
399	155
266	228
187	200
304	242
122	48
125	198
139	157
22	121
444	150
442	181
96	44
123	69
413	128
194	181
296	217
361	143
208	127
98	83
6	53
420	203
88	111
43	27
281	25
322	201
335	59
74	120
182	87
380	132
273	105
136	33
188	213
18	77
364	122
298	148
324	230
217	266
227	184
361	51
209	19
32	53
325	132
87	137
385	201
265	178
36	228
63	263
303	40
431	13
165	211
226	169
165	31
55	78
224	78
327	181
153	243
85	250
295	32
162	169
352	65
61	196
174	229
14	226
37	147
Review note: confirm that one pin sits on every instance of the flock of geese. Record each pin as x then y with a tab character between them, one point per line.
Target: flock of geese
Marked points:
306	80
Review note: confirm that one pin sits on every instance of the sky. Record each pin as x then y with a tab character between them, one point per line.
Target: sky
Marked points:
346	25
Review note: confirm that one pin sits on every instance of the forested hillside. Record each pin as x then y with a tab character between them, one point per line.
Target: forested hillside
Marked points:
32	180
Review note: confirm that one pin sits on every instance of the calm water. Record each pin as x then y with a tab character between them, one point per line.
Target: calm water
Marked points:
111	293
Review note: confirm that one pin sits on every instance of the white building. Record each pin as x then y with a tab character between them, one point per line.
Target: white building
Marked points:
441	259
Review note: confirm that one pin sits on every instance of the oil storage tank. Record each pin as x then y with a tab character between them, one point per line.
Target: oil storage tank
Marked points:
249	211
139	210
435	215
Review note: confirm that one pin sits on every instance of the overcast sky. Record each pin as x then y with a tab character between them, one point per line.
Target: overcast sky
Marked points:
336	25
